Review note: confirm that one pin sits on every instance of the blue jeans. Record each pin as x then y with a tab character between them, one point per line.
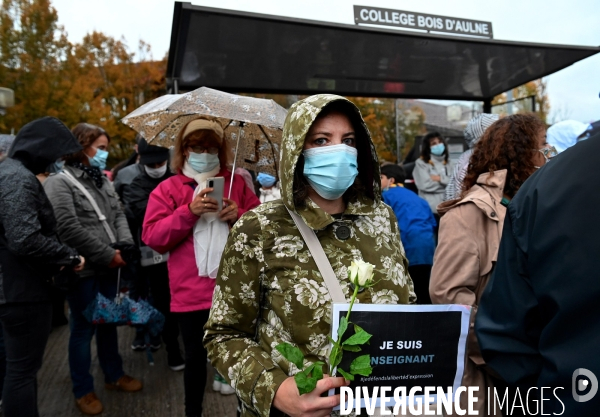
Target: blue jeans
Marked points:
82	331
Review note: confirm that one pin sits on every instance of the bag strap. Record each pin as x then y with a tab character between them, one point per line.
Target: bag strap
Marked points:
318	254
101	216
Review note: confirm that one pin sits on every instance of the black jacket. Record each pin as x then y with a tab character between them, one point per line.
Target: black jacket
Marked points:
135	198
539	317
30	252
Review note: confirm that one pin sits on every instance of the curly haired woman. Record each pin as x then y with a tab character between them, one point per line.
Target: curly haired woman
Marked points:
510	151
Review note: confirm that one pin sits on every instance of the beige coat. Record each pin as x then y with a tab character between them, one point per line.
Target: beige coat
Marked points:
469	237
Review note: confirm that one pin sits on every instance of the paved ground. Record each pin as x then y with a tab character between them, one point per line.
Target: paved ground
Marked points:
162	395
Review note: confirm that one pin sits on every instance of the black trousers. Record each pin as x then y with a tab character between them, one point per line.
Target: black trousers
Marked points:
420	275
26	328
152	282
194	375
158	277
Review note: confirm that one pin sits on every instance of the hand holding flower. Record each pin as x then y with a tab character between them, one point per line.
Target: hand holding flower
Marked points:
360	275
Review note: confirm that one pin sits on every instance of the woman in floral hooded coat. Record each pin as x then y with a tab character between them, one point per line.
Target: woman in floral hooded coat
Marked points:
269	289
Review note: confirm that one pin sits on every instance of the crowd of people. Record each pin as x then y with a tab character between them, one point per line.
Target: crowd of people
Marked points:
234	278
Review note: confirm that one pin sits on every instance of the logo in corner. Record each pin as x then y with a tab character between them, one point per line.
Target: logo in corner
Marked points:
582	379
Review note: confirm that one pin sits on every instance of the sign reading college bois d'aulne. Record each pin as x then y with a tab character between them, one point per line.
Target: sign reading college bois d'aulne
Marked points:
429	22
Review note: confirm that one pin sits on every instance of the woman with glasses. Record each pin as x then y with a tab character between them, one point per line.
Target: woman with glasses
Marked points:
79	227
182	219
511	150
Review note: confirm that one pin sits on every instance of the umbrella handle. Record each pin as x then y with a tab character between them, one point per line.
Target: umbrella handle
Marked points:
117	297
235	158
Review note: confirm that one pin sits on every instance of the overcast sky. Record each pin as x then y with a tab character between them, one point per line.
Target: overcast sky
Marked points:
574	91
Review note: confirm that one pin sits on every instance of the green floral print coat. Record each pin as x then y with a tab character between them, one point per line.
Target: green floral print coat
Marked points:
269	289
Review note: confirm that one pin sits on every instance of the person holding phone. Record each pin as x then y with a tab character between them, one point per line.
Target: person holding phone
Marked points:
183	218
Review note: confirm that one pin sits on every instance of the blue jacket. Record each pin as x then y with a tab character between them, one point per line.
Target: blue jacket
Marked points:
416	223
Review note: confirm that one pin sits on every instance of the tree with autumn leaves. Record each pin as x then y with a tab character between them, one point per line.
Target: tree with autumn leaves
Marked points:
97	81
100	80
535	88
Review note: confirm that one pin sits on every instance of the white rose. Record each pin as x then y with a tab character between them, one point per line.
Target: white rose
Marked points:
361	273
353	272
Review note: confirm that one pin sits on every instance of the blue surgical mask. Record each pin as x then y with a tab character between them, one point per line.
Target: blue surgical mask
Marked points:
55	167
438	150
331	170
203	162
266	180
99	160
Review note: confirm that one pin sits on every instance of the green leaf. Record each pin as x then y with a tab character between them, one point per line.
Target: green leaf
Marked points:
342	328
304	383
345	374
317	371
331	340
361	366
336	357
351	348
359	338
291	353
357	328
308	370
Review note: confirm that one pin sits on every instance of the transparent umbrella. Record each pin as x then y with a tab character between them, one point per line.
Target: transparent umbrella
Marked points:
252	125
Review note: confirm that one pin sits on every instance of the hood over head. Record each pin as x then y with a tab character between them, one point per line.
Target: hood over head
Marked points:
299	119
41	142
477	127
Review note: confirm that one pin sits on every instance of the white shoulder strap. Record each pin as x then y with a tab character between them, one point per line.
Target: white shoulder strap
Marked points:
101	216
318	254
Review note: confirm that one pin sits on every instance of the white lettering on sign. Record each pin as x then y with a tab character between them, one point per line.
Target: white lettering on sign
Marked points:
399	18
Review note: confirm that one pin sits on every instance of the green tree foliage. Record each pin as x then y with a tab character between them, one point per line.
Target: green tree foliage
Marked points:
97	81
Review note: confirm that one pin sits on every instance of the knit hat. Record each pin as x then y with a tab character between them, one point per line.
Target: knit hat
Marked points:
203	124
477	126
150	154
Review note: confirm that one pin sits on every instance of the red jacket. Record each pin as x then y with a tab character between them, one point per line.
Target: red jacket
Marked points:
168	227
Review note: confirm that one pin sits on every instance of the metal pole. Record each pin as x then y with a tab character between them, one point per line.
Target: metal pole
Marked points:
487	105
509	102
235	158
398	151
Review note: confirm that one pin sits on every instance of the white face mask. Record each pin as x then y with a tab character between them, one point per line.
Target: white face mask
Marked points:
156	172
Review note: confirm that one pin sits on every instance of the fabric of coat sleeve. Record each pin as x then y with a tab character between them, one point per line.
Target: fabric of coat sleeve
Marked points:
70	229
456	268
22	226
508	323
164	226
422	176
231	327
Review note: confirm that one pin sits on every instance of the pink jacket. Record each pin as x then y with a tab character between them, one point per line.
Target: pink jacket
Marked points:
168	226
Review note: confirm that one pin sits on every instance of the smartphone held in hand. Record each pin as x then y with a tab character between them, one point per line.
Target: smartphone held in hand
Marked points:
218	186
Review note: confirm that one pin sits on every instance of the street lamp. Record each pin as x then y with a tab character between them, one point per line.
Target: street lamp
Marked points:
7	99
